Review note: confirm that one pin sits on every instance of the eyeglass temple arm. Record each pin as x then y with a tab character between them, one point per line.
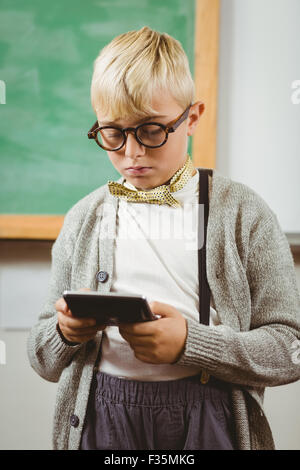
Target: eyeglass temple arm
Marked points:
91	134
181	118
172	127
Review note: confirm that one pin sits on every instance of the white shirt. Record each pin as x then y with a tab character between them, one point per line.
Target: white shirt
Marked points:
156	255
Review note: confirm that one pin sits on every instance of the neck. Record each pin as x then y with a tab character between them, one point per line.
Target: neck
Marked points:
168	182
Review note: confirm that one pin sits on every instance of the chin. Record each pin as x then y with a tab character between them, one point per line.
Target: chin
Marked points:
140	183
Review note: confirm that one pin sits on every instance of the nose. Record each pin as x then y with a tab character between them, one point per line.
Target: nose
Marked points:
132	147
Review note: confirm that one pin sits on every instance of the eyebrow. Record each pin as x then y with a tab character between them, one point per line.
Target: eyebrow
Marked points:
147	118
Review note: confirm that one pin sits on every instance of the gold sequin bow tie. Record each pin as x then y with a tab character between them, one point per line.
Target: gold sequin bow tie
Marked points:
160	194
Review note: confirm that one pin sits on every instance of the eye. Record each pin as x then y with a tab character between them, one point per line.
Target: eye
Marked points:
151	135
111	133
150	129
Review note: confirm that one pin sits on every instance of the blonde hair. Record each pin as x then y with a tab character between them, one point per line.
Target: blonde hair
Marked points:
135	65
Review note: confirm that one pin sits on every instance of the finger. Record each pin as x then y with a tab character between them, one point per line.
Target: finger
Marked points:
144	341
75	323
83	332
137	329
70	332
79	339
144	356
163	309
61	306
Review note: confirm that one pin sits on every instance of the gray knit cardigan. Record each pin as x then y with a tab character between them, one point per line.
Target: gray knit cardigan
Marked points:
251	275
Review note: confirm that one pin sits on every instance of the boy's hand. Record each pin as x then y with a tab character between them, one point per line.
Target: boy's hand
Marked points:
75	330
160	341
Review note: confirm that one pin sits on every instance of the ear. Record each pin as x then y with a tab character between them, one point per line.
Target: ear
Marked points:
194	116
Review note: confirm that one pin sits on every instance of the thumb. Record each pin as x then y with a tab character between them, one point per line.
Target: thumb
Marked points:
162	309
66	309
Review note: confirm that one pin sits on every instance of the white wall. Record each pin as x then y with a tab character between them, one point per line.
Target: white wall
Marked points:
258	139
27	401
258	122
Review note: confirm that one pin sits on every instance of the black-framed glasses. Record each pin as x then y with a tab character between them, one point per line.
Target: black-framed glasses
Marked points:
149	134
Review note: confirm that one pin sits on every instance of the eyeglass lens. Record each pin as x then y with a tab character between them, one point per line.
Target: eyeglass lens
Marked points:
151	135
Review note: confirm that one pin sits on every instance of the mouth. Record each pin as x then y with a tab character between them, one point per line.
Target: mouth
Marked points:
138	169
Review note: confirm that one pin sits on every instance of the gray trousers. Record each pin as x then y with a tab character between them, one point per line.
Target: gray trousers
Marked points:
178	414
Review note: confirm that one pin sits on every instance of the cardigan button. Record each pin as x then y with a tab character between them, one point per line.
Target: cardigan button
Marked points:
74	421
102	276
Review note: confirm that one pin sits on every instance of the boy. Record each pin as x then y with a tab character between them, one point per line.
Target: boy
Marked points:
139	386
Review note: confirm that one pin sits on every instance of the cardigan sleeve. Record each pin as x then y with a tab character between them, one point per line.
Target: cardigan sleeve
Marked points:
48	353
264	355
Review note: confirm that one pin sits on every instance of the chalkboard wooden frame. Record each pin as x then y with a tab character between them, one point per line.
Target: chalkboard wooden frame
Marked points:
30	227
206	80
46	227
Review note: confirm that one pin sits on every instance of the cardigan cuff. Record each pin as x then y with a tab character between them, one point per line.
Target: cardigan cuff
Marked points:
203	347
59	345
69	343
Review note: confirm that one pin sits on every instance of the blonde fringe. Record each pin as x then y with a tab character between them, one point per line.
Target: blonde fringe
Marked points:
133	67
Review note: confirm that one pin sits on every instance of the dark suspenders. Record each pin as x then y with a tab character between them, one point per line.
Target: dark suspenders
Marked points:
204	291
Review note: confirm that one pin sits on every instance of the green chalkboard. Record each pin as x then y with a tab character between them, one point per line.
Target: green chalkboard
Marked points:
47	51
